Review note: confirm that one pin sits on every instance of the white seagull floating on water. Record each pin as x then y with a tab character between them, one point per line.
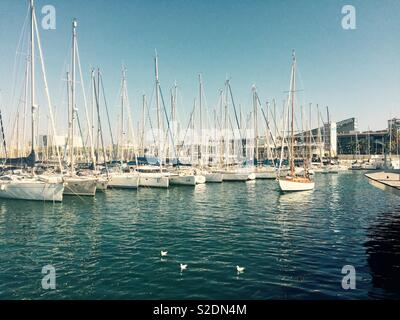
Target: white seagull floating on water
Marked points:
183	267
240	269
164	253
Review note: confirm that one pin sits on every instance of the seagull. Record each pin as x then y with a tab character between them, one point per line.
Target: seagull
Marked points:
164	253
239	269
183	267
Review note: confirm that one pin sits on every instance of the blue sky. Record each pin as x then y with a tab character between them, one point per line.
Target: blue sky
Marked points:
354	72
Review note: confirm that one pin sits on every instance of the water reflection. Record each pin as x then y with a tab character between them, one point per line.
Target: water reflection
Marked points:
295	198
383	254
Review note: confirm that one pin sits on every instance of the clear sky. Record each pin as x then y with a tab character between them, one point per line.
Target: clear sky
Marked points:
354	72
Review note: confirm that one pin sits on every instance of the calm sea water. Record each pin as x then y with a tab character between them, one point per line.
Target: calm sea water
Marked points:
293	246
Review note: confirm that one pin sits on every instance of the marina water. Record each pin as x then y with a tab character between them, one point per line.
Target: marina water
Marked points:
293	246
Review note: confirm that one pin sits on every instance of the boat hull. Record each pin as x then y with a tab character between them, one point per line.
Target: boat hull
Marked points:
123	181
290	185
41	191
385	181
153	180
236	176
213	177
184	180
200	179
76	186
265	174
102	184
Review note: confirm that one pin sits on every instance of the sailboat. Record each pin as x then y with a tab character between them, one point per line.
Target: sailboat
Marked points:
261	172
118	178
189	175
152	176
74	184
230	172
294	182
28	186
203	174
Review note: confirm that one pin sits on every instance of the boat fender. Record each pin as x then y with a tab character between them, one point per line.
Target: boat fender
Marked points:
3	187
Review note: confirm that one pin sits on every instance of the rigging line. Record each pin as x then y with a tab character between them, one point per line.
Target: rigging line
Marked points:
3	137
13	132
166	133
46	88
131	131
272	115
85	103
148	115
266	122
83	142
236	116
99	129
189	124
169	127
105	103
16	62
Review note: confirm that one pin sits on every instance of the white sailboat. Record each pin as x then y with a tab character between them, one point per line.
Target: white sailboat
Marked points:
29	186
153	176
150	176
213	177
128	180
230	172
119	178
74	184
261	172
294	182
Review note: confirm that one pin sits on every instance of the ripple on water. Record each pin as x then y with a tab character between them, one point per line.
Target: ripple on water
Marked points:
292	245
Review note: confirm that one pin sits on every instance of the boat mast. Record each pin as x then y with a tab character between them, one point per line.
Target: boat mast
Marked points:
293	87
33	76
159	129
143	122
226	135
122	128
201	121
25	105
95	153
73	94
310	155
329	130
255	107
390	138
